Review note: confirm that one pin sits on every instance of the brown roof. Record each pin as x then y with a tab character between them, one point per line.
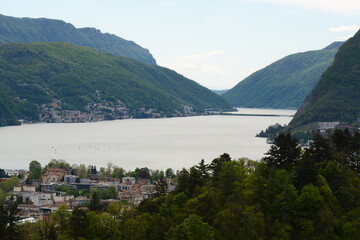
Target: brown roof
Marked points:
26	205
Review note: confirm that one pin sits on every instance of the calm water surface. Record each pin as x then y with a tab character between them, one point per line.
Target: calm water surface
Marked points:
153	143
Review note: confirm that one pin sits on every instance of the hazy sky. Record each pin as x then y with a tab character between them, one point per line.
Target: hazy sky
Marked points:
214	42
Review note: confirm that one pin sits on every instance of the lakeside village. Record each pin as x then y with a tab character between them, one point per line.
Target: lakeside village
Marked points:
54	112
305	136
37	199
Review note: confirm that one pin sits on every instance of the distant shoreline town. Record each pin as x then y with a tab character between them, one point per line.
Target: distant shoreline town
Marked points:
54	112
40	192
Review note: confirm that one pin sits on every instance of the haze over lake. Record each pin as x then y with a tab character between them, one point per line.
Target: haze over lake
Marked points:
152	143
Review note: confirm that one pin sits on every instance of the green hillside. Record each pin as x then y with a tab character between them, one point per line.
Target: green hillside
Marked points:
36	73
27	30
284	83
336	97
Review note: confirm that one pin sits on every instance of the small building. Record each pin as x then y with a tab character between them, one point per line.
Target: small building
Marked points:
62	197
131	180
46	187
28	188
70	179
17	188
125	186
38	198
127	183
82	186
24	188
147	188
26	220
54	175
323	126
84	180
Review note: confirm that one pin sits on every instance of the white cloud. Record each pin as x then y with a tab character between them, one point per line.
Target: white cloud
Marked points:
208	69
344	6
212	69
351	28
198	64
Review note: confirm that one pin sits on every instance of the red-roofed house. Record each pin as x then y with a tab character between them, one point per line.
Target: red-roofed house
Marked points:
54	175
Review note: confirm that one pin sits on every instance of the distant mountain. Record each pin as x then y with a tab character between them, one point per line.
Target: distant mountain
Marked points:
28	30
220	92
284	83
37	73
336	97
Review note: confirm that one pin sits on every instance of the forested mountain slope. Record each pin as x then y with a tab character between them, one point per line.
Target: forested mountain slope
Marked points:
336	97
284	83
27	30
36	73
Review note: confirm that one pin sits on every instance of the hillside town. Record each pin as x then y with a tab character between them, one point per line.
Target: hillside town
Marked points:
38	198
103	109
54	113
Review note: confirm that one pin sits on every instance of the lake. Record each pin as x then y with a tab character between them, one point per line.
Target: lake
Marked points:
153	143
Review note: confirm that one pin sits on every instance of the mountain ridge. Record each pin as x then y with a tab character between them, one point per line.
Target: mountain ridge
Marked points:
27	30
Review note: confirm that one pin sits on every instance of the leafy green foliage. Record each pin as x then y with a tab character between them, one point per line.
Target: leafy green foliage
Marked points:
35	170
34	74
61	218
336	96
9	184
192	228
285	83
54	163
27	30
68	190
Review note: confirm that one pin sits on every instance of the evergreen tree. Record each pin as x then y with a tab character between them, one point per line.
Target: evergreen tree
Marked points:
183	179
161	185
217	164
322	148
79	223
169	173
3	174
9	220
3	219
13	218
95	202
284	153
354	152
306	170
204	169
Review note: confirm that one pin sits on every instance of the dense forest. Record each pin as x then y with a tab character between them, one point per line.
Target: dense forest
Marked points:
28	30
292	193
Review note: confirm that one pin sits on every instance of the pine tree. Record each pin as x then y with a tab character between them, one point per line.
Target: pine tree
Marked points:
95	202
284	153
